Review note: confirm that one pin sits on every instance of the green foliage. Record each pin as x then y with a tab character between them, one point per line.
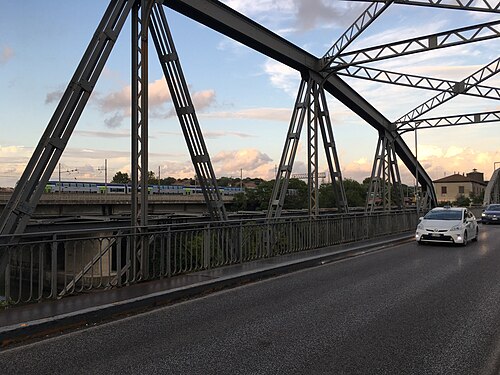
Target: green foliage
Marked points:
462	201
475	198
121	178
354	191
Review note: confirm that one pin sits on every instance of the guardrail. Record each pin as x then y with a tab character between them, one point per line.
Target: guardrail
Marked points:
42	266
82	198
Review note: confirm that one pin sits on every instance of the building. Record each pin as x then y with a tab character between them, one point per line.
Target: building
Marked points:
450	188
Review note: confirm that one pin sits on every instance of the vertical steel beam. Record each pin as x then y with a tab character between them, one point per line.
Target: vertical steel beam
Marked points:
139	123
185	110
289	150
312	149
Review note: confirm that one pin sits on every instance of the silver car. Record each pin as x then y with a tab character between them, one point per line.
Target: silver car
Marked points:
447	224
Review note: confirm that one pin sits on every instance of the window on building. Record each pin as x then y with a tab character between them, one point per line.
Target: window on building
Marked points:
444	190
461	190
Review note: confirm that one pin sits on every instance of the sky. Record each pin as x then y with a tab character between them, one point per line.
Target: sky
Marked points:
243	99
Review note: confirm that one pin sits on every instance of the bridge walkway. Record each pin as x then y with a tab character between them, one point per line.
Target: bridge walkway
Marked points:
34	320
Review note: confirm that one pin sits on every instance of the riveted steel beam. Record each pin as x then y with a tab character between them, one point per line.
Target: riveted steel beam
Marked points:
492	6
416	81
362	22
439	122
450	38
181	98
471	81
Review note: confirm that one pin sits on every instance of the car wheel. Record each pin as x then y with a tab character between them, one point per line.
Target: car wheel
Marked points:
477	234
465	238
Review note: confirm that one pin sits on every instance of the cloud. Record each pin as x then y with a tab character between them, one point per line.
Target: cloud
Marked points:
220	134
119	102
299	15
252	161
53	96
282	76
115	121
6	54
273	114
315	13
98	134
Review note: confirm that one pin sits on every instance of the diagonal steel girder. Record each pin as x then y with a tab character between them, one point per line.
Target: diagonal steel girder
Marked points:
416	81
475	5
450	38
227	21
439	122
366	18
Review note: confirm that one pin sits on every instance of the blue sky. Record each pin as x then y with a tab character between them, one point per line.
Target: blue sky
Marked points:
243	99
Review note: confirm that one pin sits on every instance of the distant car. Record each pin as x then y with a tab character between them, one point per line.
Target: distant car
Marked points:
491	214
455	225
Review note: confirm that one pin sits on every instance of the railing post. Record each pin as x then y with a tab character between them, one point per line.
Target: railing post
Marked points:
7	275
206	247
240	243
53	270
169	252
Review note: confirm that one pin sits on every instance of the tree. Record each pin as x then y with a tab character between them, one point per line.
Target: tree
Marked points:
121	178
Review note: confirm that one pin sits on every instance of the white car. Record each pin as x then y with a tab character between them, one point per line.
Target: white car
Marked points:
447	224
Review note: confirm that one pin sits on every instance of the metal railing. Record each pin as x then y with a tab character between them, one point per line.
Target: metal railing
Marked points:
42	266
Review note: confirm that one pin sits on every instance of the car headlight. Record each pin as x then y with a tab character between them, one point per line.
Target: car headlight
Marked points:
456	227
420	226
483	214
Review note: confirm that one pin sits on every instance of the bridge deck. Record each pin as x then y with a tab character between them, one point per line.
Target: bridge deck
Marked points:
37	318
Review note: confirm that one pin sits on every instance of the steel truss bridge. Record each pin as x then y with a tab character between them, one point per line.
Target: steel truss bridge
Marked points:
319	76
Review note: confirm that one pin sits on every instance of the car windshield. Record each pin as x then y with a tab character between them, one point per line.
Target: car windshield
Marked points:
493	207
443	215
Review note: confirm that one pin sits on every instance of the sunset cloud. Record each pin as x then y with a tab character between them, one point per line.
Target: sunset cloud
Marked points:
118	103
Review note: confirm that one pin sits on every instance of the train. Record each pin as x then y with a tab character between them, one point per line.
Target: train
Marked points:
114	188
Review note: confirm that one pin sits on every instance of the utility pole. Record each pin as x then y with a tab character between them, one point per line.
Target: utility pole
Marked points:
241	179
159	179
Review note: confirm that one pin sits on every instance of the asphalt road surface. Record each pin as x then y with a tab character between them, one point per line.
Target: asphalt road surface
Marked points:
406	310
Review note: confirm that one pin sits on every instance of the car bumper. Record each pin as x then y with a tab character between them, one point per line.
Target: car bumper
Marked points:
488	219
442	237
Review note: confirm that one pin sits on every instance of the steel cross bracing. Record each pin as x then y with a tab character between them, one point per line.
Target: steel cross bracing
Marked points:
289	150
221	18
313	114
139	132
465	85
310	106
474	5
184	107
450	38
385	178
437	122
42	163
416	81
362	22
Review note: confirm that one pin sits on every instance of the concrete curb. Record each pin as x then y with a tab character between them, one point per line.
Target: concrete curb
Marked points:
38	328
